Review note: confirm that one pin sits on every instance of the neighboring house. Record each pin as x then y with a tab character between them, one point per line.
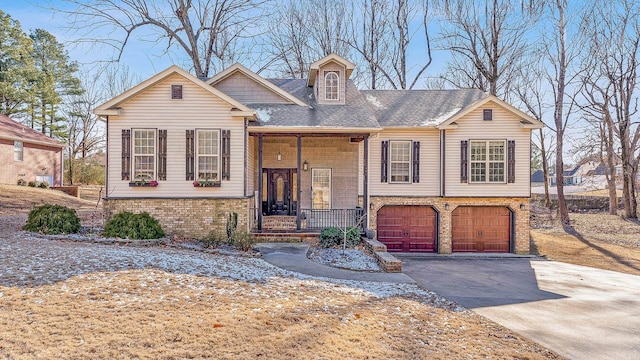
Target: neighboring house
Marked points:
537	178
28	155
428	170
590	174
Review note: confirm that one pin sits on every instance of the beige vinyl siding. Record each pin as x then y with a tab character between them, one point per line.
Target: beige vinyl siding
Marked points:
248	91
361	167
332	66
251	164
429	164
154	108
504	126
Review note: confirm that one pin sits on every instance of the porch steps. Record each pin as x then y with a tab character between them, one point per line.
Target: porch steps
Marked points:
286	236
378	250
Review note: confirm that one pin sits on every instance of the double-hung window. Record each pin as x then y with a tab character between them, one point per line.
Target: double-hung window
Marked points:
208	155
331	86
487	160
18	150
400	161
321	188
144	154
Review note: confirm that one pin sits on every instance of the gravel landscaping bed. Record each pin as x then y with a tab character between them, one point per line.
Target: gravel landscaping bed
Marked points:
351	259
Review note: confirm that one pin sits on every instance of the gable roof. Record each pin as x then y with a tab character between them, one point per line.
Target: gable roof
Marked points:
110	107
315	67
419	108
355	114
527	121
15	131
255	77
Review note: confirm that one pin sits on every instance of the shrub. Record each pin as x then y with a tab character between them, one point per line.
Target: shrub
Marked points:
243	240
53	219
332	236
43	185
22	182
133	226
32	184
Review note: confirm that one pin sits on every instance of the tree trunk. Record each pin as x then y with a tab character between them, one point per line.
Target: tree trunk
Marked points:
545	171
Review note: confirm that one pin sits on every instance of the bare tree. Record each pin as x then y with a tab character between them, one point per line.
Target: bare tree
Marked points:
614	35
487	40
207	31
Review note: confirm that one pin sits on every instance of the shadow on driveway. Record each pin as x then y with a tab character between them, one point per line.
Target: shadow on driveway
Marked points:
476	283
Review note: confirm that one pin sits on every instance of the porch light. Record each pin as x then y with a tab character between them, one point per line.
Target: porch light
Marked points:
279	156
305	166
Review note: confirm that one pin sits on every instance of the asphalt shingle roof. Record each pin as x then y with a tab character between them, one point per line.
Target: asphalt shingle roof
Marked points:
415	108
356	113
11	129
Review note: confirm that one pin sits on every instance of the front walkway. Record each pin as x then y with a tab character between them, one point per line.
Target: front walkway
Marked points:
577	311
293	257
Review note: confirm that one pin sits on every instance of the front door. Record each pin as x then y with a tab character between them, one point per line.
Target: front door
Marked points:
280	190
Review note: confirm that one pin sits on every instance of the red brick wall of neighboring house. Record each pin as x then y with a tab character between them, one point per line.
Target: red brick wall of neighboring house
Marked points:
36	160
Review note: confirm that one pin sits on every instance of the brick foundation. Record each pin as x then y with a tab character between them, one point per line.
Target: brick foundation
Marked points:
193	218
521	217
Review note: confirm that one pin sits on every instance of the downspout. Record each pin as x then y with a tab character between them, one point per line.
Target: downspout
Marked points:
365	170
442	163
106	168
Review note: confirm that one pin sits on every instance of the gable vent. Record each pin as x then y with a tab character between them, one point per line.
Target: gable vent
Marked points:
487	114
176	91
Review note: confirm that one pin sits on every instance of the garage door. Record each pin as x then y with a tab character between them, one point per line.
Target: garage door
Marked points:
481	229
407	228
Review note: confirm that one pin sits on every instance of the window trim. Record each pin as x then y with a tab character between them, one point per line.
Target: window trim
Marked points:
487	161
197	155
313	170
337	87
134	154
409	162
18	150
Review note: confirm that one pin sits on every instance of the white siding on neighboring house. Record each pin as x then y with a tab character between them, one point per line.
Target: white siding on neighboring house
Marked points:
429	164
504	126
154	108
247	91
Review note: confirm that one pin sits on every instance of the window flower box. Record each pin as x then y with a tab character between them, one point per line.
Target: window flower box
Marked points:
206	183
143	183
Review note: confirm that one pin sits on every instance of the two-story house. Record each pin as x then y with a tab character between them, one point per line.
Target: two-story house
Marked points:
426	170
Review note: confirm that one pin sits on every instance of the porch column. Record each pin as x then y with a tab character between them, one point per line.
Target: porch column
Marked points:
298	190
260	190
365	179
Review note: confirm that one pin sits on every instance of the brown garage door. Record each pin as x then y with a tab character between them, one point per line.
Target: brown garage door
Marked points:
481	229
407	228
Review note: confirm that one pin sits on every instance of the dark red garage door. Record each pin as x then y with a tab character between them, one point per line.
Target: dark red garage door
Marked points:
407	228
481	229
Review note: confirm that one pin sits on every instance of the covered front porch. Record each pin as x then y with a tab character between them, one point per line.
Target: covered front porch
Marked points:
305	182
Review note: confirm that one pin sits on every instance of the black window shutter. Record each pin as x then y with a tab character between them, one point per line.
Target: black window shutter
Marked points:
226	154
416	161
384	161
190	161
464	149
162	154
126	154
511	161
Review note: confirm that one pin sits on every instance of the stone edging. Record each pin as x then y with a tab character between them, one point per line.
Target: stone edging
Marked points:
387	262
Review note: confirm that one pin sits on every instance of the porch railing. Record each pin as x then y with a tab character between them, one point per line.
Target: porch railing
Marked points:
314	219
320	219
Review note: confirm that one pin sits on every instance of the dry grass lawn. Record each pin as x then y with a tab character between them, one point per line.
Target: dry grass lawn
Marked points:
151	313
600	240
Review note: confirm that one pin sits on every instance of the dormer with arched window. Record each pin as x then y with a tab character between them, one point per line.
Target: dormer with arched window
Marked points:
328	77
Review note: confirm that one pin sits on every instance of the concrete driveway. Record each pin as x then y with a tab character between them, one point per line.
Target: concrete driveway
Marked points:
577	311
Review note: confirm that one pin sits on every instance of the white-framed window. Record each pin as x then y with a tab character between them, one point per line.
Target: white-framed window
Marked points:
488	158
18	151
144	154
208	155
321	188
331	86
399	161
